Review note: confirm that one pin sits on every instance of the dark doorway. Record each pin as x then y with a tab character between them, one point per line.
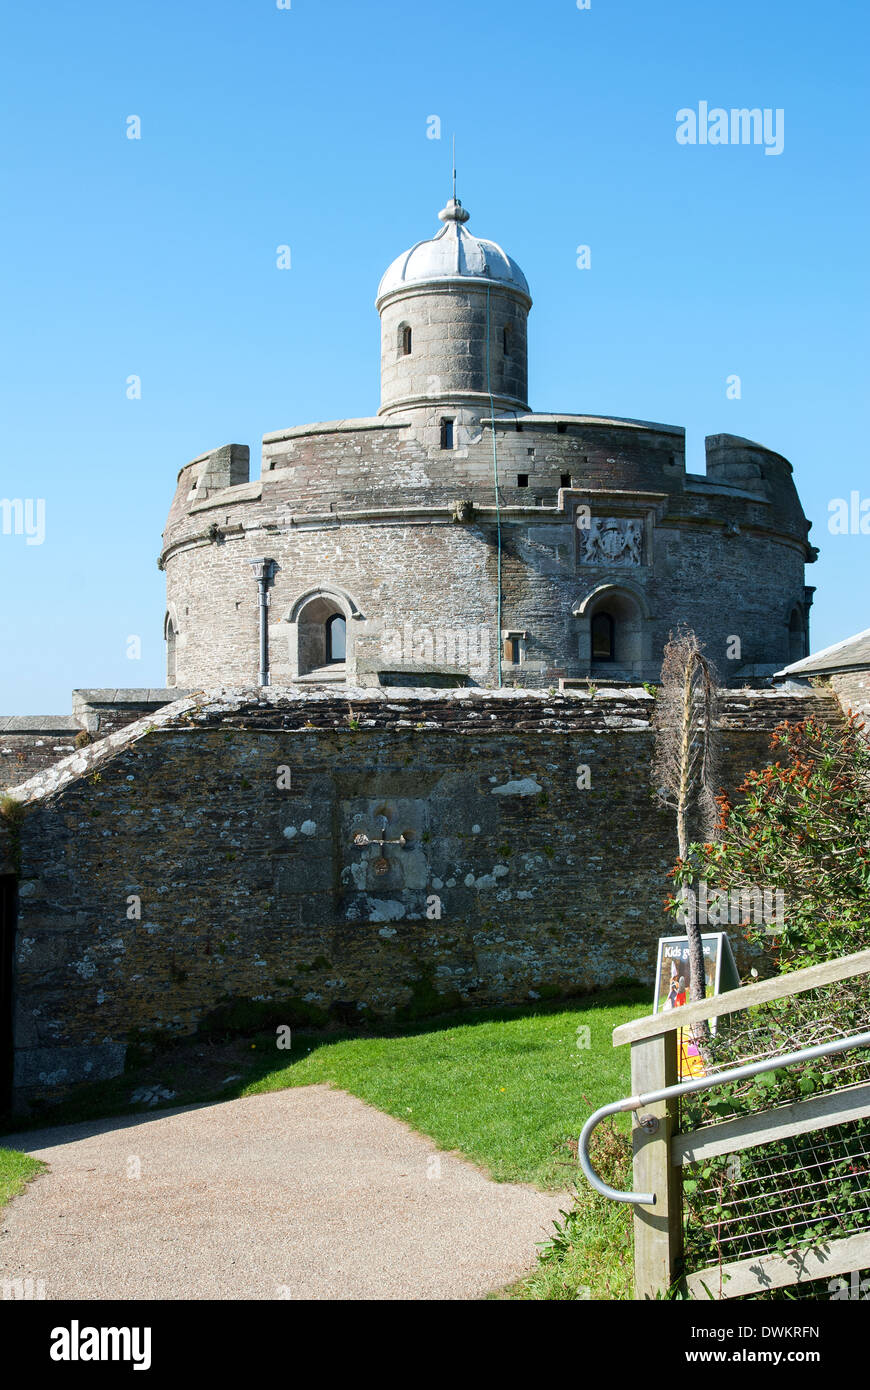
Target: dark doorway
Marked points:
8	916
796	640
603	635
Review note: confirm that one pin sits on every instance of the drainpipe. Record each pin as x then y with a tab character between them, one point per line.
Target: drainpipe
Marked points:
263	572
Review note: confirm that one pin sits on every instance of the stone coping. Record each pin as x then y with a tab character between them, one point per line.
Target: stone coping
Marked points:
535	417
132	695
468	709
379	422
239	492
87	760
697	482
39	724
852	654
365	422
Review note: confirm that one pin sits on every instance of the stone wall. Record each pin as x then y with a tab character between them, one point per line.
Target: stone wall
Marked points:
103	712
458	345
30	743
206	855
852	689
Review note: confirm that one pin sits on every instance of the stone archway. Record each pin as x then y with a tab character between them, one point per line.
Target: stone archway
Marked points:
798	646
614	636
314	619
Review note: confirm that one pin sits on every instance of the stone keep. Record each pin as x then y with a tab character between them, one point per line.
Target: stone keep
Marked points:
457	537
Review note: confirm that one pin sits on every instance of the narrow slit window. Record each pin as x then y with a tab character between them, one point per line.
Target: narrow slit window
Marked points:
406	340
446	434
170	651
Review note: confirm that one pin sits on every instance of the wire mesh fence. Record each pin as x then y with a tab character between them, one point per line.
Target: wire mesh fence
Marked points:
805	1190
773	1198
821	1015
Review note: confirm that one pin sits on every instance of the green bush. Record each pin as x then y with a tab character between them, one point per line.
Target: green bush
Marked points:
803	826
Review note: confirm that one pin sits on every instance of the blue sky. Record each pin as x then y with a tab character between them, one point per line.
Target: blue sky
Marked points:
307	126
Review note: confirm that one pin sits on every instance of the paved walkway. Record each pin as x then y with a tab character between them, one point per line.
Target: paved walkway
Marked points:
305	1194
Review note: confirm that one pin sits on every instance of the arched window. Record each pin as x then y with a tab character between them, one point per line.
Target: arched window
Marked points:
169	630
336	639
405	339
614	631
319	637
603	638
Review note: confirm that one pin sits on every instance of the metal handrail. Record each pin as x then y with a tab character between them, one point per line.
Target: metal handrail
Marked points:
682	1088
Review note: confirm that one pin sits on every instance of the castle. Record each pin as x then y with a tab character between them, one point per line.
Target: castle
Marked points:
457	537
387	660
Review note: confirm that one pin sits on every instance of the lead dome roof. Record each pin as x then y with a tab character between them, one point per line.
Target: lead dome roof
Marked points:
453	252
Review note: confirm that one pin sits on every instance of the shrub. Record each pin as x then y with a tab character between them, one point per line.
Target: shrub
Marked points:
803	826
11	810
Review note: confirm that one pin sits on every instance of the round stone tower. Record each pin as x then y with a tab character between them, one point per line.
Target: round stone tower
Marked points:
453	329
458	537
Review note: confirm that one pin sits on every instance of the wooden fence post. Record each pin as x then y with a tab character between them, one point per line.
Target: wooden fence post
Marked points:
658	1230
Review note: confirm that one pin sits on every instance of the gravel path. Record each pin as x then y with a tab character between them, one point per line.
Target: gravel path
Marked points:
306	1194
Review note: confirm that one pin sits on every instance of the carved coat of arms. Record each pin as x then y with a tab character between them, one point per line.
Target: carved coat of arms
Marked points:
610	541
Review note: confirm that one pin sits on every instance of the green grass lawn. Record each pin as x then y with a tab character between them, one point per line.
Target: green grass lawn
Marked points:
16	1170
509	1092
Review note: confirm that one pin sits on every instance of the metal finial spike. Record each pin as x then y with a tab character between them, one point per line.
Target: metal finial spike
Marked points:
454	168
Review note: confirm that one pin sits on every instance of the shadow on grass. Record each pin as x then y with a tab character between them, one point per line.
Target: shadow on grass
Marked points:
186	1073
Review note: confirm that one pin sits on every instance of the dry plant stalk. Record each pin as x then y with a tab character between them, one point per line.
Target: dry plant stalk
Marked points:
685	760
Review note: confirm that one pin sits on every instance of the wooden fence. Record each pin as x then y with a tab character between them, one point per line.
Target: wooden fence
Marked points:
659	1156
